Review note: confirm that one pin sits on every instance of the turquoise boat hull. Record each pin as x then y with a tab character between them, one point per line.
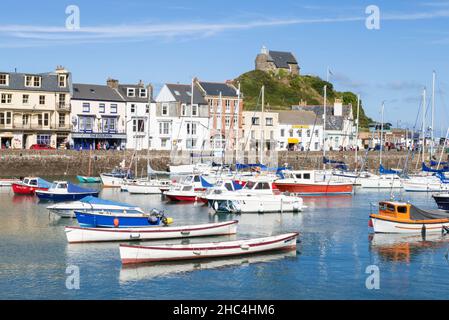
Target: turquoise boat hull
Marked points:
84	179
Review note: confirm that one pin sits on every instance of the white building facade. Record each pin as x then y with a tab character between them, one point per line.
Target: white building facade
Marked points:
258	126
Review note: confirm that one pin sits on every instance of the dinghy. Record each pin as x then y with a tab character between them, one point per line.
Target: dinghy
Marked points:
79	234
402	217
29	185
90	203
140	254
65	191
104	219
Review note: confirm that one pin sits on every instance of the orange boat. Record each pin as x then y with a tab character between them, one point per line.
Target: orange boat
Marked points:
307	182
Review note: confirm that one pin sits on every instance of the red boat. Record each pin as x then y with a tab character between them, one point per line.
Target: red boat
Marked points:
28	186
190	189
306	183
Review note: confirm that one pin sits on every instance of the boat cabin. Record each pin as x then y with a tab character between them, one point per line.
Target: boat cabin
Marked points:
59	185
407	211
306	176
31	182
264	187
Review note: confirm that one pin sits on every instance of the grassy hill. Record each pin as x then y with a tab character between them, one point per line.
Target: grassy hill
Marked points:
284	90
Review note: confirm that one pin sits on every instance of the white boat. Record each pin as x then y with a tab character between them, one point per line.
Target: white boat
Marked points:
259	204
8	182
79	234
140	254
183	169
89	203
425	184
115	178
385	181
152	186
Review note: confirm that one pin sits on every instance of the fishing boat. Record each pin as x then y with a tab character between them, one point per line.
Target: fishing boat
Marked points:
305	182
65	191
442	200
8	182
29	185
189	189
140	254
90	203
151	186
81	234
259	204
124	219
403	217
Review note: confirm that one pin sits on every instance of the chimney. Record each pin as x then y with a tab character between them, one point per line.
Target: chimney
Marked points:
141	84
60	69
150	92
338	107
112	83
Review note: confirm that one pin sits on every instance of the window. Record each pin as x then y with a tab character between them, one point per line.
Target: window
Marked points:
255	121
28	81
227	121
41	100
8	117
290	133
316	146
183	110
228	105
6	98
133	108
195	110
113	108
269	121
46	119
402	209
306	176
164	109
102	108
61	120
43	139
61	100
316	133
2	118
131	92
86	123
5	117
25	119
193	126
164	127
109	124
62	80
138	125
299	132
190	143
164	142
147	108
308	133
86	107
143	92
4	79
32	81
282	132
39	119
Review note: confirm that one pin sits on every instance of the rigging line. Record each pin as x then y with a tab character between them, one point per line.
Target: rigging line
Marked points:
250	127
411	150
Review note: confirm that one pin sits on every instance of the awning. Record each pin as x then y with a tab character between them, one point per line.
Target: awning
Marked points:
293	140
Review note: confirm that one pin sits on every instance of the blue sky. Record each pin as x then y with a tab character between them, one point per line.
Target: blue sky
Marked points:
172	41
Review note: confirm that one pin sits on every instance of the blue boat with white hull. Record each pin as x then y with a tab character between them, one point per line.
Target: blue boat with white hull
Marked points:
94	219
65	191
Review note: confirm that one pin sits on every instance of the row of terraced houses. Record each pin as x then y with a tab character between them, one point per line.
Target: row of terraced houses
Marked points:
49	109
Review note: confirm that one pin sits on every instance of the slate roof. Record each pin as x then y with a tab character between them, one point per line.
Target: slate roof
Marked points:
299	118
49	82
214	89
181	92
332	122
97	92
123	90
282	59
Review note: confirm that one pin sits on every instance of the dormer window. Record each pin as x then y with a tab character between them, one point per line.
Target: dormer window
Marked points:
131	92
62	80
143	93
33	81
4	79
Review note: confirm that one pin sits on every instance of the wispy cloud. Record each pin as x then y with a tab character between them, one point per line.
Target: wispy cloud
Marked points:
38	35
402	85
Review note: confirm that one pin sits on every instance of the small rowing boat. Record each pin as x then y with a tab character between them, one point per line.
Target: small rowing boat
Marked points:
79	234
403	217
140	254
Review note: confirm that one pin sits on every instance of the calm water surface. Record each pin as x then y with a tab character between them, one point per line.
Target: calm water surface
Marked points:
335	249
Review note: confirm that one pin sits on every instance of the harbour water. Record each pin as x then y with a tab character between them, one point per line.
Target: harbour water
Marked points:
331	260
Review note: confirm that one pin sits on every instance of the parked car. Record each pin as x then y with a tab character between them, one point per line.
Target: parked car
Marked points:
41	147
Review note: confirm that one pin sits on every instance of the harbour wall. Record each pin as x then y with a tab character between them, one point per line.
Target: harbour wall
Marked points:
19	163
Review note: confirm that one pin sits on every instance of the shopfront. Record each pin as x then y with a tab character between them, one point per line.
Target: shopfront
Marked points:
85	141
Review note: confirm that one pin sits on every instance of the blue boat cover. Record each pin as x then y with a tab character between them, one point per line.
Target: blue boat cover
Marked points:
435	163
205	184
237	186
95	200
340	164
427	169
240	166
382	170
41	183
73	188
442	177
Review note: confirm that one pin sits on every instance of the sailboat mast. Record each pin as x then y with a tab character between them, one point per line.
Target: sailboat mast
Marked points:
357	132
433	115
324	127
237	110
191	123
381	133
262	131
423	123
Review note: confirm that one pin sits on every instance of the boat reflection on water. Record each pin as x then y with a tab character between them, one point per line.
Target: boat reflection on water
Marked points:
404	247
336	201
166	269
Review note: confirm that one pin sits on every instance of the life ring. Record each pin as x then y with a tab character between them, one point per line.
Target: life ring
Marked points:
116	222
